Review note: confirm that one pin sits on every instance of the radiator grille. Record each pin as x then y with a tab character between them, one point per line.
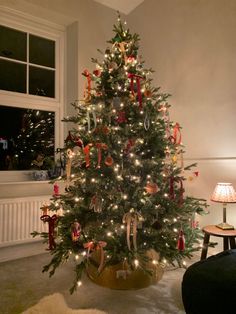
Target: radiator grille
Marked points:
19	217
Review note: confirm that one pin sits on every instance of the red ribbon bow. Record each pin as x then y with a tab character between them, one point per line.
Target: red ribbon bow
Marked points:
51	226
181	241
132	76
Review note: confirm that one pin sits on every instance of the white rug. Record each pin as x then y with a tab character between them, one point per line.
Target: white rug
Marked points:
55	304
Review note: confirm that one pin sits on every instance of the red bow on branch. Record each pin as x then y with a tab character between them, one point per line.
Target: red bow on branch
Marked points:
132	76
51	226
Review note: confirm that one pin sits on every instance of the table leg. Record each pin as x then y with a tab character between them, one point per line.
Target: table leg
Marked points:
205	246
232	243
226	243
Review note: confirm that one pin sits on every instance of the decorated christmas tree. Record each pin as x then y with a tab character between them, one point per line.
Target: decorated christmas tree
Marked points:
124	206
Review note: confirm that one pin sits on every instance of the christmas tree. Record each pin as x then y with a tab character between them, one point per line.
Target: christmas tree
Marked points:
36	137
124	173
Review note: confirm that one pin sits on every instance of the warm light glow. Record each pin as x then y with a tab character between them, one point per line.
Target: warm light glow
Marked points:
224	193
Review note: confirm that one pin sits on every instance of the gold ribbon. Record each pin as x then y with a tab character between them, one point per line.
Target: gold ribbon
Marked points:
121	47
69	153
131	220
97	246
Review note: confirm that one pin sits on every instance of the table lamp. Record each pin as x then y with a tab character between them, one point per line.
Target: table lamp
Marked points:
224	193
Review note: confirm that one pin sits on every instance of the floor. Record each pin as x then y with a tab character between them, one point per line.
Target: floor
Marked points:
23	284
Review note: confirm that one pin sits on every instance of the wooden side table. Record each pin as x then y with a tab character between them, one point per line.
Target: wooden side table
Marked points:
227	235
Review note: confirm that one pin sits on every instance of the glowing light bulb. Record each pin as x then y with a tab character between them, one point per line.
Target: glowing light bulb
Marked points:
136	263
79	283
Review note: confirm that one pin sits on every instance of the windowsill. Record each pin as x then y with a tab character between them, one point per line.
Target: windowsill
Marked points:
24	182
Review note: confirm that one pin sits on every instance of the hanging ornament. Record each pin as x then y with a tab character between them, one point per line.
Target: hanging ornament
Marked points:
181	241
56	190
172	190
89	120
109	161
113	66
121	117
140	221
147	93
146	122
194	222
87	90
151	188
97	72
121	47
51	229
75	231
100	147
96	204
129	145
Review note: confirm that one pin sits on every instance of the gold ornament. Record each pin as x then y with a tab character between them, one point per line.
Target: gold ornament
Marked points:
151	188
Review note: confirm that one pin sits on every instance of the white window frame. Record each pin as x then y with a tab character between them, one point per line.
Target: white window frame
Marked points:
42	28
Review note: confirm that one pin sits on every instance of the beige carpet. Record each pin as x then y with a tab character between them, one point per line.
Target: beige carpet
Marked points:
25	289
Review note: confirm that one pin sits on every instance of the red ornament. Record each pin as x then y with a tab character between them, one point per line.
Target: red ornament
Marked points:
109	161
97	73
181	241
56	189
121	117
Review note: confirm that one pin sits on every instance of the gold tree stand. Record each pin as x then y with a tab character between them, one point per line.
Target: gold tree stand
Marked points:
121	278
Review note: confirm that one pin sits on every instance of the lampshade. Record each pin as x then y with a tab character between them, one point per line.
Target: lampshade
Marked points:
224	193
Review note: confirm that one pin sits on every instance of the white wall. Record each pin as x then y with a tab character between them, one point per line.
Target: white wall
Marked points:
191	44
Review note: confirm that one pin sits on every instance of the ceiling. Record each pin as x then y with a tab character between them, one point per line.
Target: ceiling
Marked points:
124	6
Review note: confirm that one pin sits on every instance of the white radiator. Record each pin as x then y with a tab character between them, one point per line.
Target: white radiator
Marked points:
19	217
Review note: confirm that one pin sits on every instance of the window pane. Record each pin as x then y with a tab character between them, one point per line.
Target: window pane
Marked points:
41	82
27	142
12	43
41	51
13	76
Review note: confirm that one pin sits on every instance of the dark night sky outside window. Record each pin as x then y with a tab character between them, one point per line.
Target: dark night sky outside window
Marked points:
14	63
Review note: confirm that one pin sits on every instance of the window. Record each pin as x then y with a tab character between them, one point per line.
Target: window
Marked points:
31	138
30	60
31	87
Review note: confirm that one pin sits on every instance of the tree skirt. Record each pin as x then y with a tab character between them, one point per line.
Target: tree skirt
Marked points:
55	304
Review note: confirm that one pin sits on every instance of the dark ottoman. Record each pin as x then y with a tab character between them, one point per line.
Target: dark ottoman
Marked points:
209	286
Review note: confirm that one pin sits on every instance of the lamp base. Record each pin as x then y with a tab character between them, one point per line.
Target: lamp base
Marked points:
225	226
